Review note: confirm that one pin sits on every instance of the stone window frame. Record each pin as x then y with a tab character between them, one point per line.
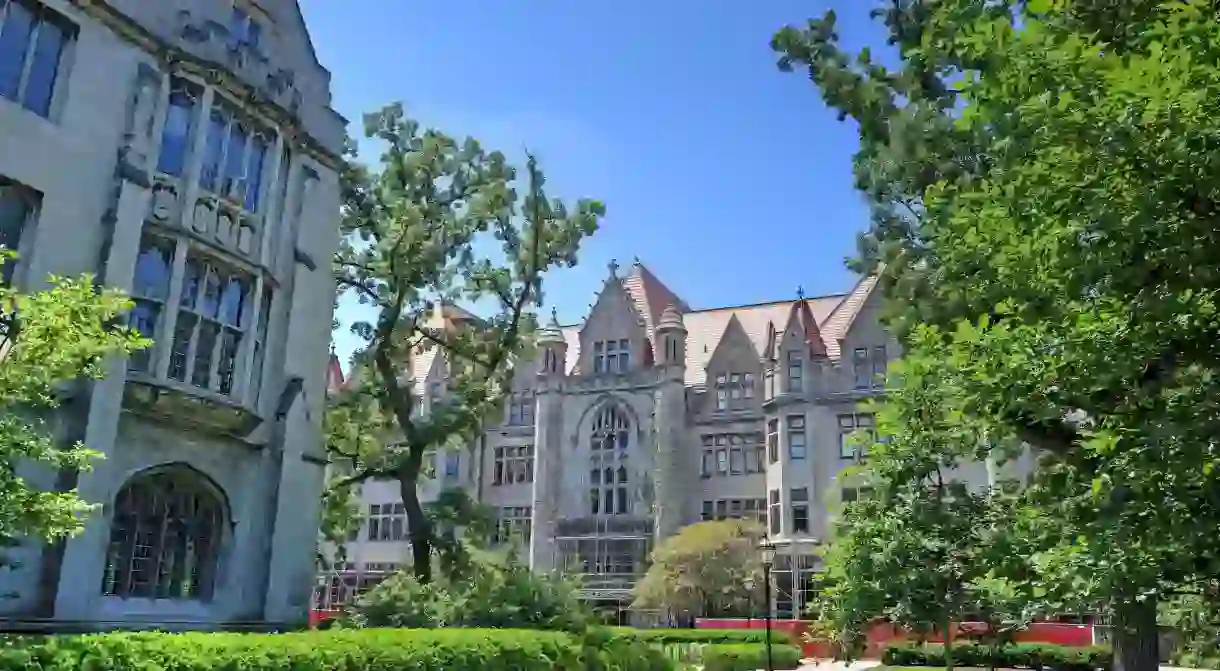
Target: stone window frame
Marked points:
611	356
178	518
798	503
520	409
849	424
514	522
734	389
387	523
512	465
200	223
740	447
794	372
26	204
33	48
608	485
868	367
796	427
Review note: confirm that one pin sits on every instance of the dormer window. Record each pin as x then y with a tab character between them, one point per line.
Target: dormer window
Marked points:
611	356
795	371
550	362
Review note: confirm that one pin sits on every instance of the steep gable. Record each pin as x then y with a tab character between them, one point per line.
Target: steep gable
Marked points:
614	316
650	296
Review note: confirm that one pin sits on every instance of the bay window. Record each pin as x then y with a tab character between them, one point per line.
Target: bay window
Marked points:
212	314
234	158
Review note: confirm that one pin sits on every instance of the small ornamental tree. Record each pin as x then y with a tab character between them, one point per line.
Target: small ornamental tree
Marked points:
438	222
49	341
1043	178
705	569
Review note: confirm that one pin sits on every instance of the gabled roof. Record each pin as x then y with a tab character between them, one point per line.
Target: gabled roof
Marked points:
650	296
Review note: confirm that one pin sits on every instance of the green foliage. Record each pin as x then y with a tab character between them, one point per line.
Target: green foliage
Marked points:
1013	656
748	657
485	594
1043	178
1195	619
704	569
50	340
924	548
415	232
673	636
349	650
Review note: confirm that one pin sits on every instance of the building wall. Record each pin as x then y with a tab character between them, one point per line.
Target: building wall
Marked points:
249	436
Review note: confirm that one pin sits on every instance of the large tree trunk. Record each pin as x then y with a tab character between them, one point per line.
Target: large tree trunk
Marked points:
1136	639
419	529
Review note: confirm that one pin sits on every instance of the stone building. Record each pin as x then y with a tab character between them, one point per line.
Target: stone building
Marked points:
651	415
184	151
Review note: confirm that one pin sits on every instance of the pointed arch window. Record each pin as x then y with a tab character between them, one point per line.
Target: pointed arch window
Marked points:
165	537
611	429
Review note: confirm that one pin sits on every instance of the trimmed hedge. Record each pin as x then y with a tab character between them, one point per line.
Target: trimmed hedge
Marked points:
665	636
1018	655
749	657
336	650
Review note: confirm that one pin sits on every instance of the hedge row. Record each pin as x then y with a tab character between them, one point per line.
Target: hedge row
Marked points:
338	650
749	657
702	635
1036	656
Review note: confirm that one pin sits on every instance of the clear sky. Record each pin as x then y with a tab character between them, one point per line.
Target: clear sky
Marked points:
728	178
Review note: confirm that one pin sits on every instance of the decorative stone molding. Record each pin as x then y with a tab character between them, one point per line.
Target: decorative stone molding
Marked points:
175	406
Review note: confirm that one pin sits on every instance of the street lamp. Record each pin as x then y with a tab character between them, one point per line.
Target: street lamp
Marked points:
767	550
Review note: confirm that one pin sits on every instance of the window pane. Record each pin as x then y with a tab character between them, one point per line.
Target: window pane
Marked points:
214	150
40	86
14	212
254	175
183	331
201	376
209	301
235	153
175	136
152	270
233	301
229	348
14	44
144	317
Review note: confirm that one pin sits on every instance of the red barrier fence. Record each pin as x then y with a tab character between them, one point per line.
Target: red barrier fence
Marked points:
882	634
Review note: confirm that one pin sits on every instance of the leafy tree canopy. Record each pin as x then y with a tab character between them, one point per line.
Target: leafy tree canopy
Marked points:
705	569
49	341
1043	177
438	223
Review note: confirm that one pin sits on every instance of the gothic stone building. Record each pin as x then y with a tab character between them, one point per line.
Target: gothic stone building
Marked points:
652	415
184	151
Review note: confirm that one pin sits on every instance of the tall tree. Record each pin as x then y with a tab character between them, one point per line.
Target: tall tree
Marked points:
924	549
416	235
705	569
49	340
1043	181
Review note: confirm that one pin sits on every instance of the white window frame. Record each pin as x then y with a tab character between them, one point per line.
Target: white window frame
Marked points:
387	523
798	501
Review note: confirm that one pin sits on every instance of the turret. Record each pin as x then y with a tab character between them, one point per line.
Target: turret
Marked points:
671	337
552	348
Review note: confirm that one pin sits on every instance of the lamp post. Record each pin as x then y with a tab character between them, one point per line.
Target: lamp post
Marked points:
767	549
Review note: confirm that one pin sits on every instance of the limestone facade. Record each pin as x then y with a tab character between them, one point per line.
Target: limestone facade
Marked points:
184	151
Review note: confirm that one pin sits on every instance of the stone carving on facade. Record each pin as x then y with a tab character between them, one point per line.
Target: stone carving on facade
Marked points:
164	202
203	216
142	117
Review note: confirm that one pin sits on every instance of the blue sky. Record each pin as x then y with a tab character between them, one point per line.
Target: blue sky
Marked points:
729	179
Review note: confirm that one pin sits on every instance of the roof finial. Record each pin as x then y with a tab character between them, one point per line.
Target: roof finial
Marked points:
613	266
332	349
800	293
554	316
638	262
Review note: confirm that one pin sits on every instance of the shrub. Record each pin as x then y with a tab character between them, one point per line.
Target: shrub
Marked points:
490	595
350	650
748	657
1017	655
666	636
